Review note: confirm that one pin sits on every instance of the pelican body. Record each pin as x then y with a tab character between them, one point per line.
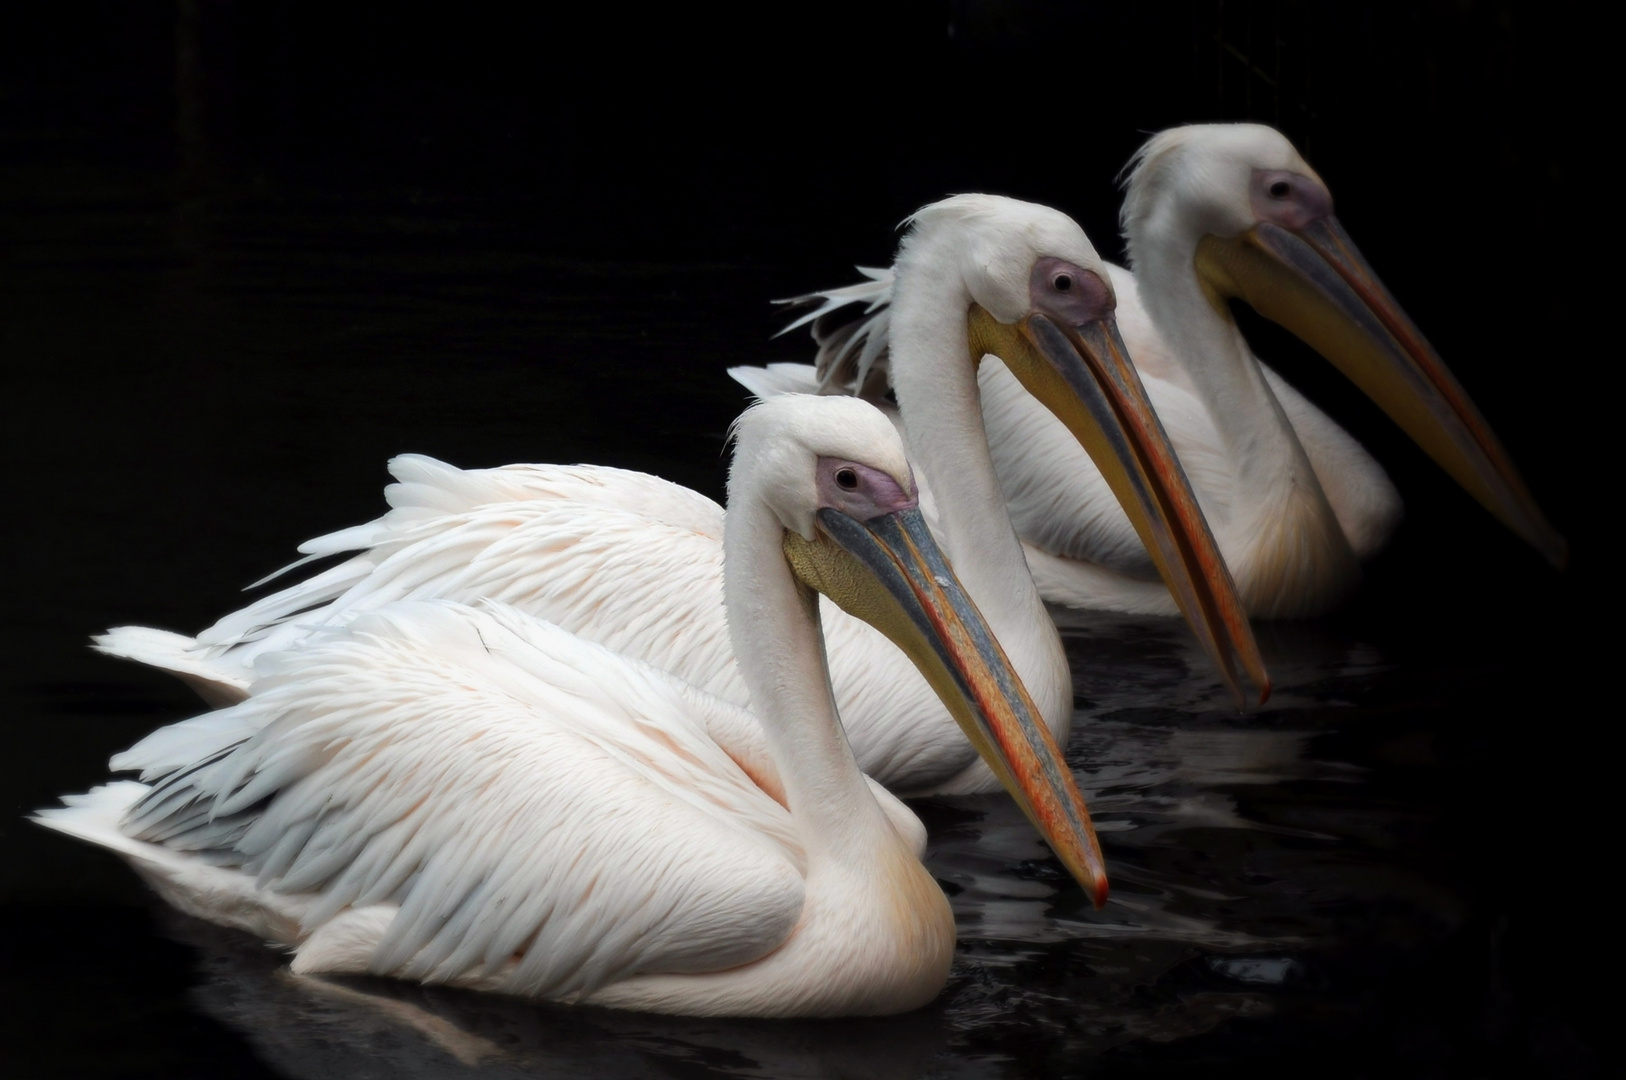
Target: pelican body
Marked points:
1214	213
465	795
635	563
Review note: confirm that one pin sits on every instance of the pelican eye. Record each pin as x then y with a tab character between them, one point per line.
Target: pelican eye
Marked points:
1063	282
1280	189
846	479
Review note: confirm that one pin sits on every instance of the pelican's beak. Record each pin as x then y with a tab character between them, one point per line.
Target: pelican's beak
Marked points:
1313	281
1084	376
921	606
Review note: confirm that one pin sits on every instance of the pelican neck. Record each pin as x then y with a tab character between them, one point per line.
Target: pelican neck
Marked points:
934	377
774	627
1209	348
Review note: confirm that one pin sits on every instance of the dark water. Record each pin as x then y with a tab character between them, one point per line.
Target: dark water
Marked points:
232	287
1294	891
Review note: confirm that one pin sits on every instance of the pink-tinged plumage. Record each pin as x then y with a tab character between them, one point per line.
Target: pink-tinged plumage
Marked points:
463	794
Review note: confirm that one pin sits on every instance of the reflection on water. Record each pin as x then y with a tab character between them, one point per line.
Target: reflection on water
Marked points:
314	1027
1236	851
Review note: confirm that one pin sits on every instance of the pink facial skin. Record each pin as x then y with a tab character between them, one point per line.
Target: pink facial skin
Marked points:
1068	293
861	492
1288	199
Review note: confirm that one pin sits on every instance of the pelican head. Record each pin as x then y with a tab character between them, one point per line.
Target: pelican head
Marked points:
1257	224
832	471
1034	292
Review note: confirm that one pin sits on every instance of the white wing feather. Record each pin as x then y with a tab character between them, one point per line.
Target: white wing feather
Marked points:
554	538
395	763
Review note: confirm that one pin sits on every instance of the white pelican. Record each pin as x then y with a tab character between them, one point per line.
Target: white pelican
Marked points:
465	795
1214	213
634	562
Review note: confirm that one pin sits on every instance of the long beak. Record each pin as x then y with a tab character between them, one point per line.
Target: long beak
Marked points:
1084	376
1315	282
921	606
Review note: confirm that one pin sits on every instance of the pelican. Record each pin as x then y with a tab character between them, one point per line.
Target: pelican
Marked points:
466	795
1214	213
634	562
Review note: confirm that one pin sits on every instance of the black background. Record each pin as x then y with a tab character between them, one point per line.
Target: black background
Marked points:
252	250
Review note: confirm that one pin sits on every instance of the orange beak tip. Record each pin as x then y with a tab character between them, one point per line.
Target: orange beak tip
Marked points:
1264	693
1099	896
